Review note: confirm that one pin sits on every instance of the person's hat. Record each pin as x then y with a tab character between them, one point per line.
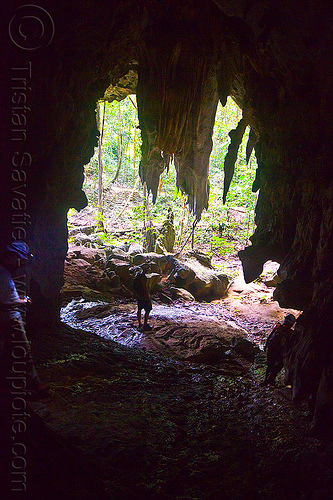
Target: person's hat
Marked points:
20	248
289	319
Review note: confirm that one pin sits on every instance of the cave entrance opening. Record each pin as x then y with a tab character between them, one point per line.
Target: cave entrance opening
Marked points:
103	278
127	211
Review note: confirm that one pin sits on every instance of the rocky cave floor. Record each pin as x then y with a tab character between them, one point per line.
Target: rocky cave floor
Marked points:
128	420
131	423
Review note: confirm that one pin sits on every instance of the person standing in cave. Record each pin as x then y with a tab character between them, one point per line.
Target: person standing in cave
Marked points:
274	348
14	345
140	288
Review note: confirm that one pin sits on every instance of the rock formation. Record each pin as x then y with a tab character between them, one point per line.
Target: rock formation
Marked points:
89	272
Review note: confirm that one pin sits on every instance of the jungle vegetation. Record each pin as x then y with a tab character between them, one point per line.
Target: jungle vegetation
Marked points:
119	201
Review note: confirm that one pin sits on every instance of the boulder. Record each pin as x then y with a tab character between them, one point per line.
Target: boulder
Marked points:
181	275
80	272
202	283
196	338
69	292
108	249
95	256
149	236
117	253
208	284
84	272
153	281
123	246
98	239
244	348
204	259
81	239
166	239
163	261
153	267
150	267
181	293
87	230
209	287
86	266
164	298
114	279
135	249
122	270
105	284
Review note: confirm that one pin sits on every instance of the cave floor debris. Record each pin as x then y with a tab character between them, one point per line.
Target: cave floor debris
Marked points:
152	427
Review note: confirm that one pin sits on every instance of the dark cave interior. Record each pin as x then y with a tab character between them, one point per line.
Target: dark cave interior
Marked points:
180	57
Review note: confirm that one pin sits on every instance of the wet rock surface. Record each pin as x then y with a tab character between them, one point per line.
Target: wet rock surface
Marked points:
178	331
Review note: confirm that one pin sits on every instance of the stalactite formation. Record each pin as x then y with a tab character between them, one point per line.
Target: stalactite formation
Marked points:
177	99
236	137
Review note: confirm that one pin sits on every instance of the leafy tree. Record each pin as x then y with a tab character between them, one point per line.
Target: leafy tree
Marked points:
223	229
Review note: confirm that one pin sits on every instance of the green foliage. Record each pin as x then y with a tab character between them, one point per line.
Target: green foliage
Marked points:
107	238
99	217
223	229
221	245
71	212
120	118
138	212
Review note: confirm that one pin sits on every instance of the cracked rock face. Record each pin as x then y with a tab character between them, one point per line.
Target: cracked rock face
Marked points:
274	60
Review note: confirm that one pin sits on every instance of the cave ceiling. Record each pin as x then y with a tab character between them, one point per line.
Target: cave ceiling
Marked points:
190	54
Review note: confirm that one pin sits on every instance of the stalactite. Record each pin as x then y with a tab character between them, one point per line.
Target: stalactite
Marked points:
236	137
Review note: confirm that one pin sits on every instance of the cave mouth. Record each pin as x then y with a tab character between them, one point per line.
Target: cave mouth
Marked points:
119	202
128	215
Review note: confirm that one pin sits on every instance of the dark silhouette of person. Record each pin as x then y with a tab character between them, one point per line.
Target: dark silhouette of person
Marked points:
274	348
15	351
140	288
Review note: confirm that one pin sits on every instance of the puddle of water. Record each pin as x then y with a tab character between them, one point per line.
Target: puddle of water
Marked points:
111	327
118	325
169	312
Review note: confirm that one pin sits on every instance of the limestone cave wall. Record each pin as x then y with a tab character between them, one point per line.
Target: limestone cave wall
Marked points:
275	60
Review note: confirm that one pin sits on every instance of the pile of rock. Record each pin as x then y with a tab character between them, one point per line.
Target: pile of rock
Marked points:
103	273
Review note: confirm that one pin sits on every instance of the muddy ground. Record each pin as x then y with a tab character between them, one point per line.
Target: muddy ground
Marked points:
127	423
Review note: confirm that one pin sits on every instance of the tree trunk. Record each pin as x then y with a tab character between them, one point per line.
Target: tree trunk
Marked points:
100	169
149	236
119	148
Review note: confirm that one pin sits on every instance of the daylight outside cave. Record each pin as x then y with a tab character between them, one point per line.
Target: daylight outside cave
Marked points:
223	230
207	323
